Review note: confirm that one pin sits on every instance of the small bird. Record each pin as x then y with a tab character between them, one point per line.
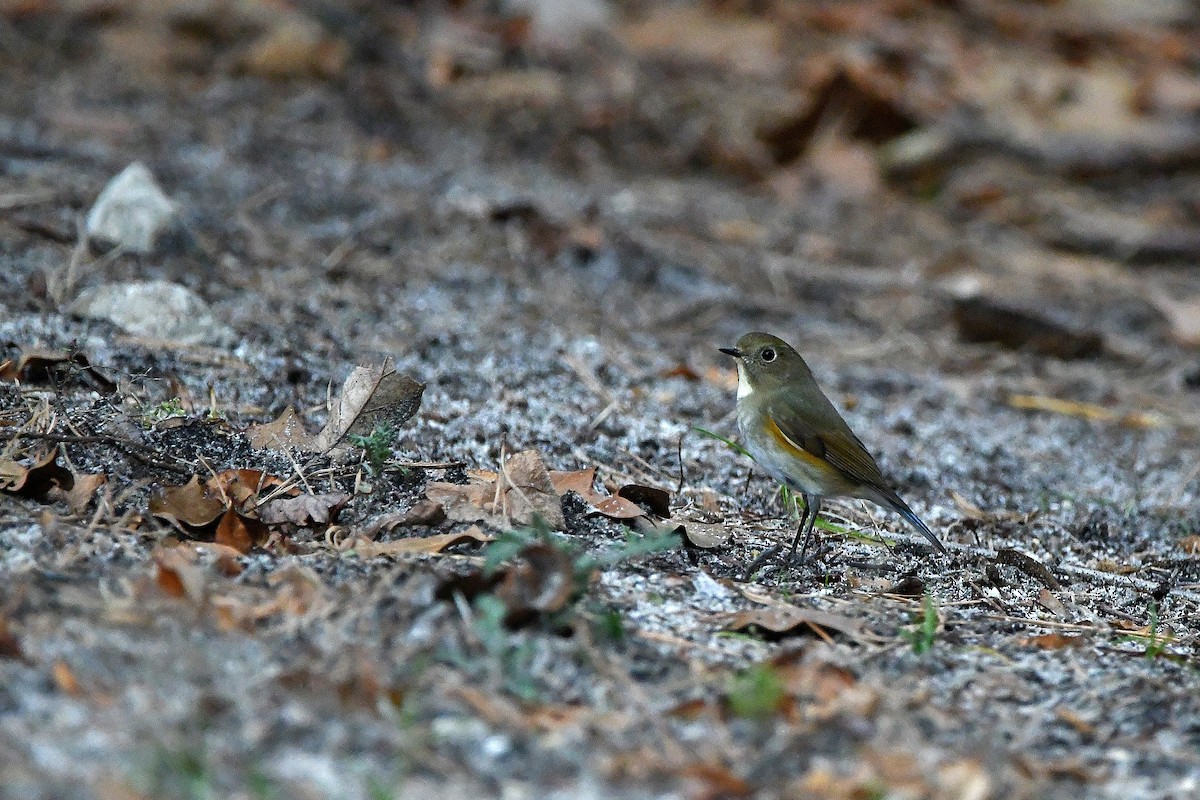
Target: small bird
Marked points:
794	433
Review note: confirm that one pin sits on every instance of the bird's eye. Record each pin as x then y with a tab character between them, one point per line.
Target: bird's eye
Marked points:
768	355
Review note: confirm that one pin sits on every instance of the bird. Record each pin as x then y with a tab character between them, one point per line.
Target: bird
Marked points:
792	430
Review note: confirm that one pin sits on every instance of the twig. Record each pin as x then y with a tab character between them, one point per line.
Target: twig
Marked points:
131	448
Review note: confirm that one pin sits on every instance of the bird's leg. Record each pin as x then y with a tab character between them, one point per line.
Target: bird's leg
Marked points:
812	506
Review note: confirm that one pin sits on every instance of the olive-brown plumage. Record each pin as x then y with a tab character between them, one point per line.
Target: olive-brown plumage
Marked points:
794	433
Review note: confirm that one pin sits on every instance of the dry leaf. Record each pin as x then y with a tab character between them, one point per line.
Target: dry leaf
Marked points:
190	506
40	365
541	581
1190	545
306	509
1052	604
715	781
1027	564
296	47
705	535
523	492
65	680
787	620
371	396
464	503
240	532
427	545
286	431
1053	641
178	574
81	493
425	512
37	481
581	482
656	501
10	646
243	486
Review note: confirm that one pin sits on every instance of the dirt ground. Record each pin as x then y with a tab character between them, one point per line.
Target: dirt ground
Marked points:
980	222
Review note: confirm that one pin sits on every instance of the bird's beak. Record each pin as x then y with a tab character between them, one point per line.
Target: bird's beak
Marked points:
731	351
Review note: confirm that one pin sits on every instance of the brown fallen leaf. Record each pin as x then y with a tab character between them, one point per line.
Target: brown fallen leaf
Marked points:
36	481
370	397
426	512
65	679
1053	641
1027	564
10	645
243	486
284	432
541	581
1052	604
1190	545
190	506
656	501
240	532
80	494
716	780
418	545
178	574
778	621
41	365
296	47
581	482
464	502
306	509
705	535
520	494
228	558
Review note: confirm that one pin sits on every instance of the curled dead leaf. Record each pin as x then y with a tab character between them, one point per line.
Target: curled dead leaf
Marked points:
705	535
782	620
36	481
40	365
417	545
80	494
305	509
656	501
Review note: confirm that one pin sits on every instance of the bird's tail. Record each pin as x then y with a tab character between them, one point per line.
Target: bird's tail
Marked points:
893	501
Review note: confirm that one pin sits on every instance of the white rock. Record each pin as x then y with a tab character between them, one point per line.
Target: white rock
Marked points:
132	212
562	23
155	310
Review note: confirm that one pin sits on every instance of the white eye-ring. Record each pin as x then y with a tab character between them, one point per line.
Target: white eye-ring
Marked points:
768	355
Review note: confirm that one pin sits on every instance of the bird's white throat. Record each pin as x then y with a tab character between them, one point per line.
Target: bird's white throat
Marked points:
744	387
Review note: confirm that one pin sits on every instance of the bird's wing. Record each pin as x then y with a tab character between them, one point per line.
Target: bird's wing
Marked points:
835	444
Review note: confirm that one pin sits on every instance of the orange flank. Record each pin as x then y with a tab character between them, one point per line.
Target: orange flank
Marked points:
791	448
